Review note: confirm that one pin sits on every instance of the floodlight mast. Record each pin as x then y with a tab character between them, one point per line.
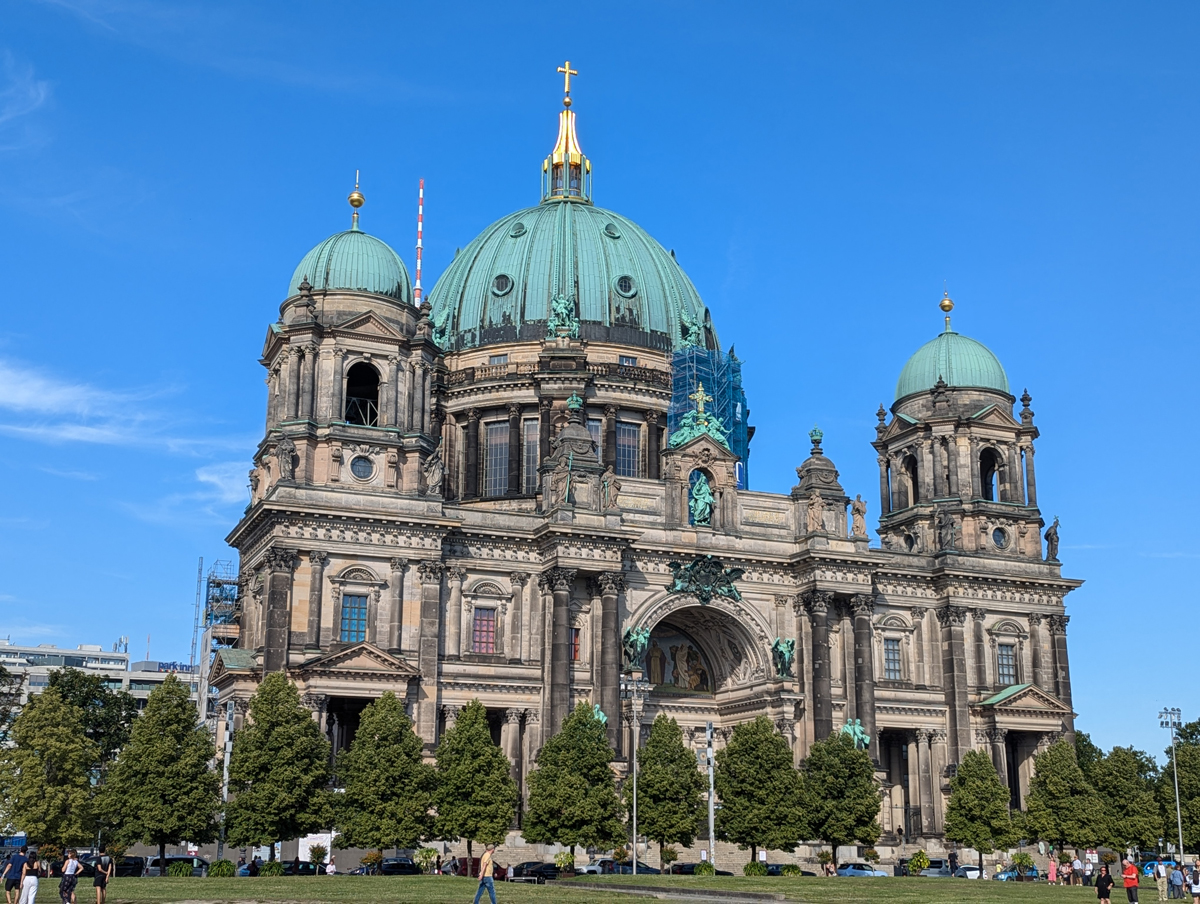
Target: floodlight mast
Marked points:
1171	719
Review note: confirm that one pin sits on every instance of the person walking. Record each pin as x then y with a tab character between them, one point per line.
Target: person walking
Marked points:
1160	878
1052	870
105	867
1177	881
1088	869
29	884
485	874
1129	874
1077	871
1194	882
14	869
70	877
1104	884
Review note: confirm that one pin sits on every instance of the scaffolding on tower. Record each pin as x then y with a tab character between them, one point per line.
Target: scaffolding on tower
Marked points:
721	375
220	622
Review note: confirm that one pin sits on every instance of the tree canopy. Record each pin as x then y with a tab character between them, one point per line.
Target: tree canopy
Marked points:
162	790
1061	807
841	793
476	797
1188	753
10	700
977	814
389	789
108	715
45	777
670	787
278	770
762	794
572	792
1125	778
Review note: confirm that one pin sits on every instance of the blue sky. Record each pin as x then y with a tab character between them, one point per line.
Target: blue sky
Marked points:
820	169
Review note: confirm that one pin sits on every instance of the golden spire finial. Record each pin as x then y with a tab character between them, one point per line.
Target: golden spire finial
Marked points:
947	305
356	200
567	72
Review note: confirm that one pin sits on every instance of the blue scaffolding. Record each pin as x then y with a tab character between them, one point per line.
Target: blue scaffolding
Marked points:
721	375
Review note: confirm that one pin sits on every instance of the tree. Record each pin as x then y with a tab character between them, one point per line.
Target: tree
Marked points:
1087	755
670	789
1061	807
10	701
389	789
278	769
1187	753
1125	778
108	716
476	798
977	814
161	790
45	777
572	793
761	792
841	793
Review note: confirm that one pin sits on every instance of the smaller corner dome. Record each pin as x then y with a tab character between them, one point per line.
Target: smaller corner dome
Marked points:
354	261
959	361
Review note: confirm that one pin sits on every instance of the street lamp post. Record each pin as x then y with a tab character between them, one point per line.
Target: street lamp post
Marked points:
634	689
1171	720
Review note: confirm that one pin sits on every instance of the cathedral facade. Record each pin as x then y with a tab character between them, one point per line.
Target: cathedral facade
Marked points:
487	495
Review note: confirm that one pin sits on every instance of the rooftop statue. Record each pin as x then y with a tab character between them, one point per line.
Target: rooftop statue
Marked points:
783	654
857	734
699	423
562	320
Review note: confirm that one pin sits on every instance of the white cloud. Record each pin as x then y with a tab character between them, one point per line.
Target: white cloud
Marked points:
69	475
229	480
20	95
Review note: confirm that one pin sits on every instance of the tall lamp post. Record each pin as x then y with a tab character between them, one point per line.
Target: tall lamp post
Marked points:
634	689
1171	720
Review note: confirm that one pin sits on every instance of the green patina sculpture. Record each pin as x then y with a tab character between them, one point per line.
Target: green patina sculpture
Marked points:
705	578
783	654
857	734
599	714
694	424
700	502
562	320
634	645
574	402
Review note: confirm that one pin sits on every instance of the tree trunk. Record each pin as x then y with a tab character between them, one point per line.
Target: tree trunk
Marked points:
754	853
271	856
981	864
470	860
162	858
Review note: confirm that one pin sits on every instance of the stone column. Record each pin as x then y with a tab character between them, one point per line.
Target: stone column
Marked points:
518	649
544	425
530	616
430	572
952	464
914	775
925	773
885	496
1016	477
514	448
560	662
416	418
611	584
399	392
1062	670
450	715
997	738
817	603
510	743
427	407
652	450
387	391
375	626
976	486
1037	652
863	607
898	501
1030	483
454	613
308	379
471	464
954	670
846	649
272	382
339	384
920	679
610	436
280	566
532	744
939	468
295	365
396	607
981	678
317	562
938	763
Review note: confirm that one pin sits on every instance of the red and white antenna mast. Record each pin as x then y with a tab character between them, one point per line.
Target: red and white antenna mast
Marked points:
420	243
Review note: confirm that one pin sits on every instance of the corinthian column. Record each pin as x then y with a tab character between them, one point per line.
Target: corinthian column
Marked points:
318	560
454	613
863	607
280	566
560	657
339	384
294	368
431	604
1037	651
954	658
817	603
396	605
515	646
611	584
308	382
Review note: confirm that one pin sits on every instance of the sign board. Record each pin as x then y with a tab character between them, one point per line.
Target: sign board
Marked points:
762	856
703	855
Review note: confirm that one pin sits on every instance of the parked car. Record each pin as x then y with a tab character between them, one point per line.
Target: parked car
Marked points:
199	865
127	867
970	872
938	868
776	869
535	869
1010	874
306	869
626	869
602	867
687	869
398	866
859	869
1148	866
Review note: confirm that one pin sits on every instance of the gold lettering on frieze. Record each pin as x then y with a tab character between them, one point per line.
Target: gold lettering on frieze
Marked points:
638	503
758	516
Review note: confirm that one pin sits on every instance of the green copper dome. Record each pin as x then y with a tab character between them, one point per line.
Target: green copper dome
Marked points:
959	361
356	262
612	282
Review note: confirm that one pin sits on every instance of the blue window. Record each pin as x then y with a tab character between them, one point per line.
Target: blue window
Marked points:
354	619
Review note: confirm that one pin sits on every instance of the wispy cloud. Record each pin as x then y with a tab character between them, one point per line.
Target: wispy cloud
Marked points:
223	486
228	480
21	93
69	475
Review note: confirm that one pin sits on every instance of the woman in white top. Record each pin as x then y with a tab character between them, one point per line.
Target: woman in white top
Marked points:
70	876
1194	882
331	869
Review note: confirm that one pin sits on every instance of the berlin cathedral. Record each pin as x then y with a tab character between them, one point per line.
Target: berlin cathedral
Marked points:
534	482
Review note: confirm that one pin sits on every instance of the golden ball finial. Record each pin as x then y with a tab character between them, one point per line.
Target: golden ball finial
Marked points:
356	199
946	304
566	101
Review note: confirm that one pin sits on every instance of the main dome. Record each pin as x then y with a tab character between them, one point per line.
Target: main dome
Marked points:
624	286
955	359
354	261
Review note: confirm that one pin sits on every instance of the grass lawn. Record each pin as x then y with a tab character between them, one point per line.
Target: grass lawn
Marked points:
438	889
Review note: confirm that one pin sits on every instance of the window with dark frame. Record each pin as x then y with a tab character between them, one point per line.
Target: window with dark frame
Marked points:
530	450
483	631
1006	664
626	360
495	458
629	451
354	618
891	659
596	429
574	644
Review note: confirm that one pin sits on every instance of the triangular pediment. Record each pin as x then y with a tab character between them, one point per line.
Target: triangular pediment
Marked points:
696	447
368	323
231	661
358	659
1025	698
995	416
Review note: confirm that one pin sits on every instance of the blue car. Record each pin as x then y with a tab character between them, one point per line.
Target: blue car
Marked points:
1011	875
859	869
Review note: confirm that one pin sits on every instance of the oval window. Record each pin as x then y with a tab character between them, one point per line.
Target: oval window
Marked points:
502	284
361	467
1000	538
612	231
625	286
517	231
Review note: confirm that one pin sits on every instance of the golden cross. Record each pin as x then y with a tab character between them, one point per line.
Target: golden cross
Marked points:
567	72
700	397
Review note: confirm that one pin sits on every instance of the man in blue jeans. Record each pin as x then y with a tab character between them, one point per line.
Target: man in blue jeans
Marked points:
485	874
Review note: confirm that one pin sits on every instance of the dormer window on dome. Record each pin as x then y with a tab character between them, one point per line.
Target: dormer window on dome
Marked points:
567	173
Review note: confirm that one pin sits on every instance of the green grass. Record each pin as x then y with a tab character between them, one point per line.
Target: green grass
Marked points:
439	889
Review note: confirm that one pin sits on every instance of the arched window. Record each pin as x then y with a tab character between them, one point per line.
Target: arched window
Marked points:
911	482
989	475
362	395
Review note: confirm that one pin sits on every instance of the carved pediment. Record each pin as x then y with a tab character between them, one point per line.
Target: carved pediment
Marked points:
1025	699
995	416
232	661
361	659
368	324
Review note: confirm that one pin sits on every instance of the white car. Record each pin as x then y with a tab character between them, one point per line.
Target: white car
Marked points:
600	867
970	872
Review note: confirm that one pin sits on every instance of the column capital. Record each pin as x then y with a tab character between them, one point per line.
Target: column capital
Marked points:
398	564
518	578
1058	623
514	410
979	613
545	403
924	735
611	582
918	612
557	578
513	716
532	717
279	558
456	573
339	352
610	411
430	571
816	602
473	414
318	559
952	616
863	605
1035	619
651	417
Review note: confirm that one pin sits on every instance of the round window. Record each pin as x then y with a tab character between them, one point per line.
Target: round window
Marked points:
502	284
625	286
1000	538
361	467
612	231
517	231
